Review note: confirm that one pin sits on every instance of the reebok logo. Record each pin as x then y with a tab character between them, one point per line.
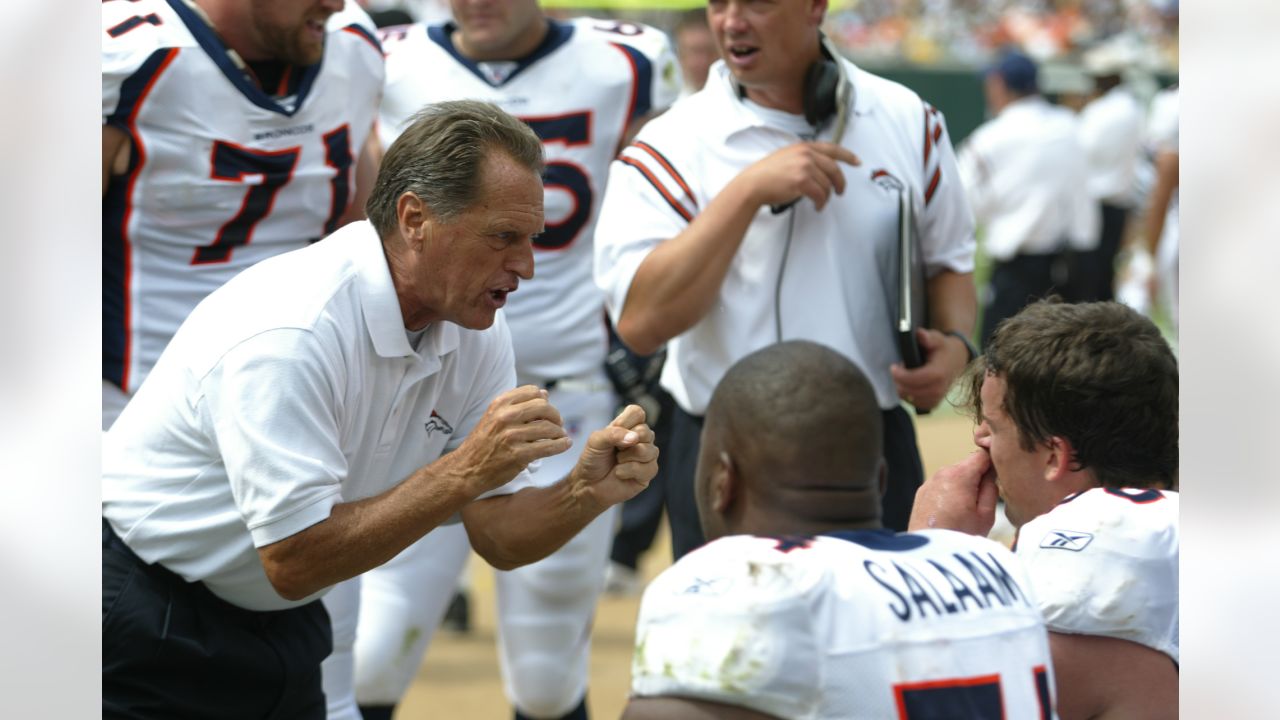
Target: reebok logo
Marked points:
438	423
1066	540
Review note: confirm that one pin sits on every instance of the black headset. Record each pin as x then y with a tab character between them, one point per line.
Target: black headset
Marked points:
827	91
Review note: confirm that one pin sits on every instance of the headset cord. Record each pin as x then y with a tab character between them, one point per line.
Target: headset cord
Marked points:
777	289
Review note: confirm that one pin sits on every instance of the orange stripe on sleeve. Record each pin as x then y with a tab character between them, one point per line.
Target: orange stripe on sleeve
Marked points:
662	160
653	180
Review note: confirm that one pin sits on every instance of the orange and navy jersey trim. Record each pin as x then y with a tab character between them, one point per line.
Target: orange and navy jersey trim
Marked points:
663	176
362	33
933	134
641	82
117	207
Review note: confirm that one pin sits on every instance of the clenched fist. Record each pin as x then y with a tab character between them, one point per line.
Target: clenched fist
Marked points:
618	461
519	426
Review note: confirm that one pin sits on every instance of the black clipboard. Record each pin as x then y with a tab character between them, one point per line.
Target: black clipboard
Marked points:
913	303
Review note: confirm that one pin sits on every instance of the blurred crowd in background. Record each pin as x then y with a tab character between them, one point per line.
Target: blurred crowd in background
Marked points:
936	32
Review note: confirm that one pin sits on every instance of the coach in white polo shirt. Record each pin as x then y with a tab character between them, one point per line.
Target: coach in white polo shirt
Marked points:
1026	177
690	252
325	409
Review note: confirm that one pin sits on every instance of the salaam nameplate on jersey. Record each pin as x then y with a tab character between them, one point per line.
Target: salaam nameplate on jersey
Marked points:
967	582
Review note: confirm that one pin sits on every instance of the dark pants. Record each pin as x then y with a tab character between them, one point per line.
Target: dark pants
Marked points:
1019	281
901	454
172	649
642	514
1093	275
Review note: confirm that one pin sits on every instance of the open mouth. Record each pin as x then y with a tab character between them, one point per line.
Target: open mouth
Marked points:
499	295
743	52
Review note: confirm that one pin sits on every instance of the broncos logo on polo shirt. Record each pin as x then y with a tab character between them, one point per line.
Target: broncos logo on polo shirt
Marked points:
438	423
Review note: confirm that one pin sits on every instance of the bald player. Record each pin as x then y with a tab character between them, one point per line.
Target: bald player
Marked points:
802	605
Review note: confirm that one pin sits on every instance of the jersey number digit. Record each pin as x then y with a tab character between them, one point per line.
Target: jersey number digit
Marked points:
337	155
620	27
972	698
136	21
571	129
266	172
272	170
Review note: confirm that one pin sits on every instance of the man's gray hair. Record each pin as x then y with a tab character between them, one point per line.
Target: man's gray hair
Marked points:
439	156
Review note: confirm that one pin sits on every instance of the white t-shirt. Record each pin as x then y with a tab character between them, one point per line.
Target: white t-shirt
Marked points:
838	287
1025	175
222	174
1111	128
579	91
289	390
866	624
1105	562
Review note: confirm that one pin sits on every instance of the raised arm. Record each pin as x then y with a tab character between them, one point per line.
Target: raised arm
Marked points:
678	282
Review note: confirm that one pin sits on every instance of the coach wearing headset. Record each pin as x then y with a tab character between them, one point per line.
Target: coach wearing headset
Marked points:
702	244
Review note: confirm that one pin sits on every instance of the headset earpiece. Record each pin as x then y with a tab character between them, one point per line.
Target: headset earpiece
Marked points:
821	82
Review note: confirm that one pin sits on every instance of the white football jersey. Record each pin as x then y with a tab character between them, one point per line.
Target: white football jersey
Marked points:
1105	562
579	91
866	624
222	174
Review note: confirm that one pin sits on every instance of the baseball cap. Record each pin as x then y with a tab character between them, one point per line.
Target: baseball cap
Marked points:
1107	59
1017	71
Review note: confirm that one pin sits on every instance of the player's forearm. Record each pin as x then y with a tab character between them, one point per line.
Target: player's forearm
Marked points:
679	282
1161	196
953	302
513	530
361	535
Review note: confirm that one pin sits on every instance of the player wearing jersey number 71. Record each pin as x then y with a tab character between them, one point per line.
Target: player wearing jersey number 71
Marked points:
1077	430
232	131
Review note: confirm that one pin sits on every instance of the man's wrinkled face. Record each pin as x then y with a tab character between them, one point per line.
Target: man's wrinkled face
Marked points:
475	260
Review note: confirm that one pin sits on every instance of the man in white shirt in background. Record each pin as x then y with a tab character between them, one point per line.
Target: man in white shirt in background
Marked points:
1111	132
1024	175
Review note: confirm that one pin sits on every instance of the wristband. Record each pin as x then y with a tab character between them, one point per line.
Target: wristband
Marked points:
968	345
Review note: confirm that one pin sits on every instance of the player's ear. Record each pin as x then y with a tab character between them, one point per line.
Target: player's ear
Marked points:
724	483
412	216
1060	462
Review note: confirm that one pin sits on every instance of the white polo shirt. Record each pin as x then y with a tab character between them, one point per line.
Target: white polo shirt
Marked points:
1025	175
1111	128
289	390
837	288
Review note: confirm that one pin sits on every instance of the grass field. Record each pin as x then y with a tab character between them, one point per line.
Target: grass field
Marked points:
460	679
